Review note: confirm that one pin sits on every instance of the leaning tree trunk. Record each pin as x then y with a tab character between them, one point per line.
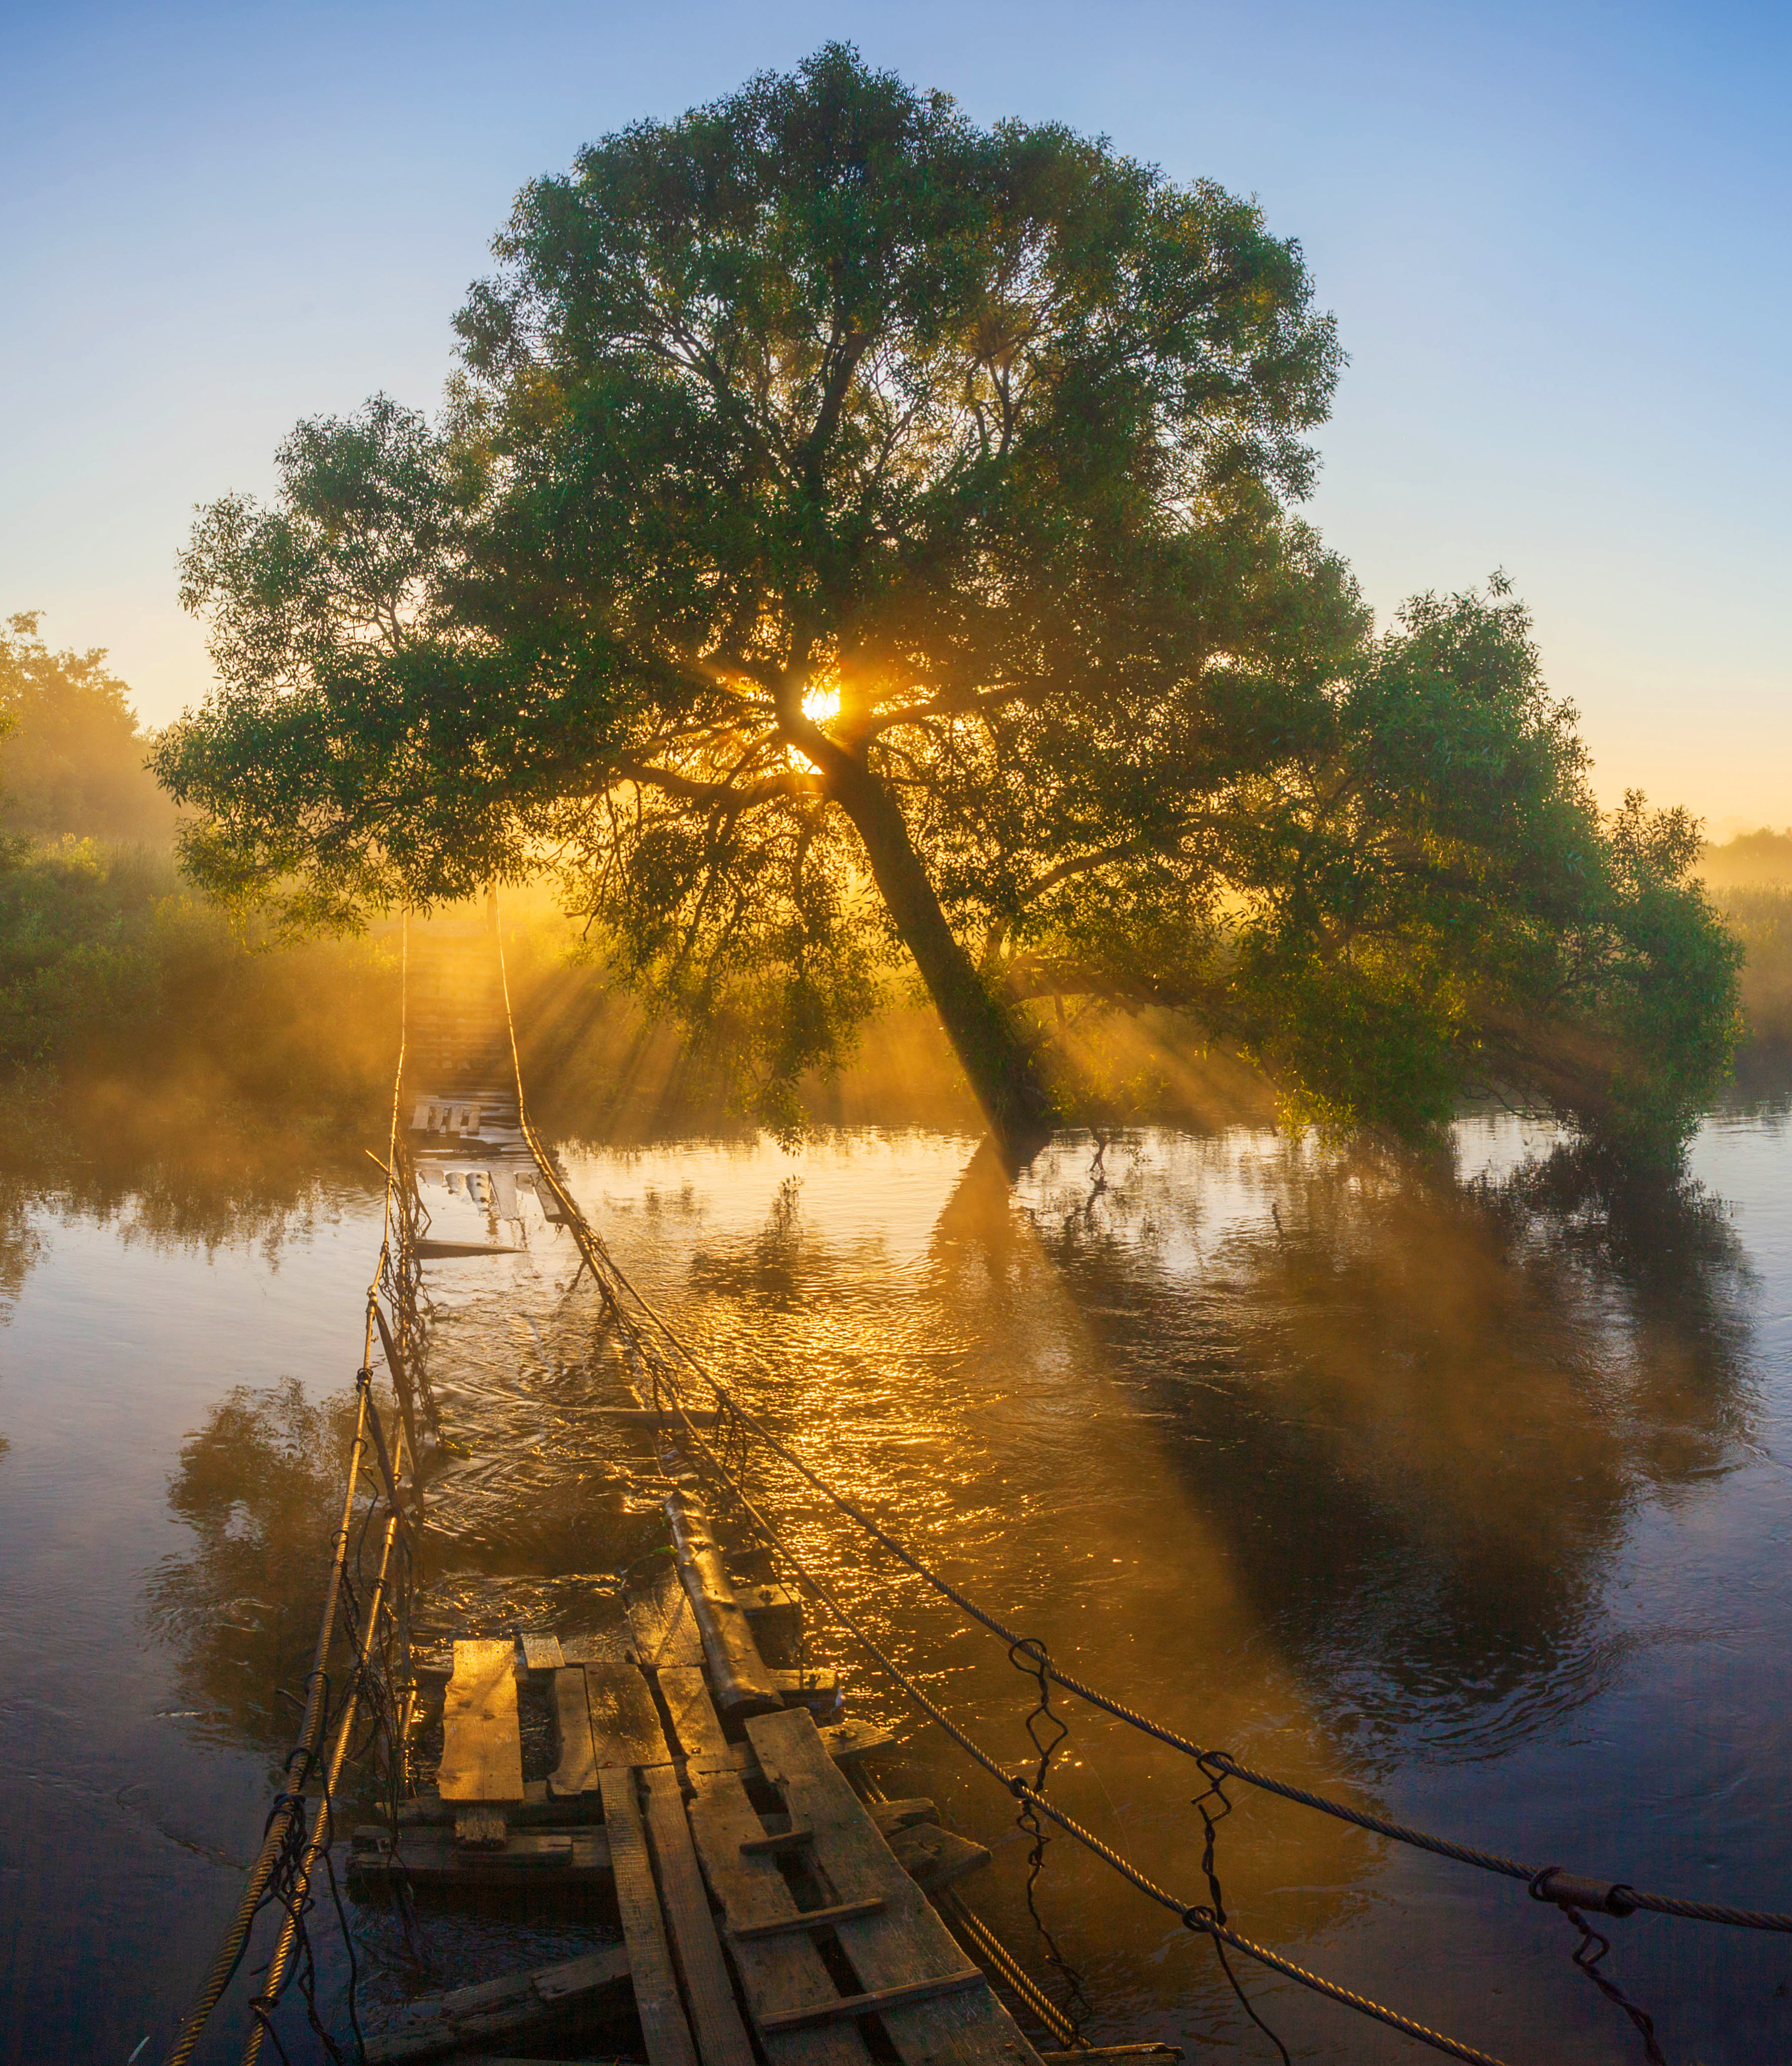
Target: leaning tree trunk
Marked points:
988	1038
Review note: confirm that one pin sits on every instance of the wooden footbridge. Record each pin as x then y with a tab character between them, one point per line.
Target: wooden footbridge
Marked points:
703	1808
700	1807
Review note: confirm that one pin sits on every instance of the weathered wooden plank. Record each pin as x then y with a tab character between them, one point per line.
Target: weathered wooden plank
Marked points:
541	1652
608	1646
847	1742
661	1626
438	2024
738	1674
907	1944
890	1817
482	1750
625	1722
818	1689
812	1918
429	1856
694	1721
722	2039
782	1973
933	1857
775	1613
874	2001
576	1771
656	1996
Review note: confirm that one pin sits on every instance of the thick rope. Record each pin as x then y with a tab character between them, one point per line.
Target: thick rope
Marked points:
286	1816
1620	1891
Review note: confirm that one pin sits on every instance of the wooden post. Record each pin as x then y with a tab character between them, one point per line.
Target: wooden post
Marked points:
401	1384
738	1674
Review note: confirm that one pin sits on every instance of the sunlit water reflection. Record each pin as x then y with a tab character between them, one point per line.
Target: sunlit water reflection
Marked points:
1457	1490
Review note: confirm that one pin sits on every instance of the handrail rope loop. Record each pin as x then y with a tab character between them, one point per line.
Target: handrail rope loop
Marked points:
1480	1859
612	1280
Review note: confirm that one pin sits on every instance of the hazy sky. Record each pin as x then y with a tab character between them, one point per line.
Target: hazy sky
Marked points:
1555	237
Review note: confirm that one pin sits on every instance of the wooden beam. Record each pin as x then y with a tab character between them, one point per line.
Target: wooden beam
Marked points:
667	2034
436	2025
625	1723
576	1771
695	1721
874	2001
737	1673
541	1652
722	2039
812	1918
482	1751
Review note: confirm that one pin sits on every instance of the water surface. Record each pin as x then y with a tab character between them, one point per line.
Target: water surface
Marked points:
1458	1489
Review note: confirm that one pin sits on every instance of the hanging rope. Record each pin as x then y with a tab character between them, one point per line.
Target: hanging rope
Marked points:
281	1872
1608	1896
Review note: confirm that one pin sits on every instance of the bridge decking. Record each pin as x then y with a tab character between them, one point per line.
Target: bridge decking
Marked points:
771	1914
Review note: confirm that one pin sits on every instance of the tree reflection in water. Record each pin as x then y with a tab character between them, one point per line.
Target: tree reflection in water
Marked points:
1418	1413
261	1487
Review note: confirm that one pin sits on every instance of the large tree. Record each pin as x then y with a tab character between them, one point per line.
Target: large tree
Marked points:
854	534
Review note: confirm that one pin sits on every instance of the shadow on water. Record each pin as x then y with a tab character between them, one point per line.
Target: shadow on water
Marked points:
1334	1460
1415	1412
259	1487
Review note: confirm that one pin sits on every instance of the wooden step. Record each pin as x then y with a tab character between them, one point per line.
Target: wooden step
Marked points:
777	1973
607	1717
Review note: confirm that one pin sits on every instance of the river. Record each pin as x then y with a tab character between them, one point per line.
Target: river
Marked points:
1456	1486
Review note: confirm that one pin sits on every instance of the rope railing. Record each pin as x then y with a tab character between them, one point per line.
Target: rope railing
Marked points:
1197	1917
1607	1894
289	1849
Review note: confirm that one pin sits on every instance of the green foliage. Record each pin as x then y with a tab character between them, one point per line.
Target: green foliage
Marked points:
72	758
108	965
856	534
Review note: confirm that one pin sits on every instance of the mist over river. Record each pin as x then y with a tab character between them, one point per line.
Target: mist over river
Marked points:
1461	1490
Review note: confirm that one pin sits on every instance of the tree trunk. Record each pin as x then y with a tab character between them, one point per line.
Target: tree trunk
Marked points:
989	1039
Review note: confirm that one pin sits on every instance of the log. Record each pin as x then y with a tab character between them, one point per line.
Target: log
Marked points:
738	1674
520	2003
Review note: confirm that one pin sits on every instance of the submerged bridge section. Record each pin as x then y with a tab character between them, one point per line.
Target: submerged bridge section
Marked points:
768	1908
711	1805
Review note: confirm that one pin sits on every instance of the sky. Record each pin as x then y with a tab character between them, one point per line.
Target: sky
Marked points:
1555	238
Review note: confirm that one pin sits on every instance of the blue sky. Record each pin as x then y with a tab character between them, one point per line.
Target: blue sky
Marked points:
1555	237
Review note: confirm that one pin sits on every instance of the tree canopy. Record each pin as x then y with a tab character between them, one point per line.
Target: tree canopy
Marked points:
73	758
854	536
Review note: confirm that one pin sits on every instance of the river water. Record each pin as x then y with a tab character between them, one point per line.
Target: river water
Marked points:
1457	1487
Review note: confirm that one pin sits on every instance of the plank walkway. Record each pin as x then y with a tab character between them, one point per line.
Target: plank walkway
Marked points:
766	1911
